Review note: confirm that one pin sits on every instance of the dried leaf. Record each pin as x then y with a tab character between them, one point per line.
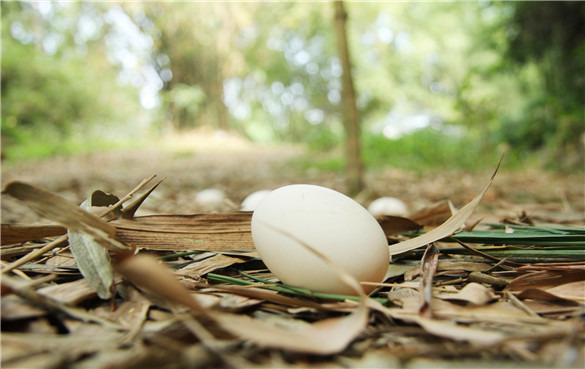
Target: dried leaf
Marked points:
473	293
545	279
395	225
214	232
12	233
60	210
434	214
573	291
147	272
324	337
429	263
219	261
71	293
446	229
56	208
477	337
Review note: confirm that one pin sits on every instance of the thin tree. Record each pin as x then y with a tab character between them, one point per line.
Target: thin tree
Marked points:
353	162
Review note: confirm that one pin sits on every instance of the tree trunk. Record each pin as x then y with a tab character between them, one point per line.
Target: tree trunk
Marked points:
353	163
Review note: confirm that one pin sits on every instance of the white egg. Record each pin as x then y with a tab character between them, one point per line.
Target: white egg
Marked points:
388	206
253	200
210	197
328	221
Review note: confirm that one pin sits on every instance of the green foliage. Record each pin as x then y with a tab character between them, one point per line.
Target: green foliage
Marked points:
424	150
549	38
509	74
62	102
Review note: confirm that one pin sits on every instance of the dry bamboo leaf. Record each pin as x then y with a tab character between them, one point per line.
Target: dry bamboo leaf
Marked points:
55	207
434	214
147	272
14	308
545	279
473	293
429	263
71	293
214	232
15	286
476	337
395	225
324	337
446	229
60	210
197	269
573	291
12	233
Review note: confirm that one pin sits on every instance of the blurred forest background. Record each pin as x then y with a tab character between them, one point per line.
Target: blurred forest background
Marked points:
439	85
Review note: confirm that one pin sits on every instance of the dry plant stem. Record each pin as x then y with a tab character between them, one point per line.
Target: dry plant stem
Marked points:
128	196
35	254
18	272
51	245
519	304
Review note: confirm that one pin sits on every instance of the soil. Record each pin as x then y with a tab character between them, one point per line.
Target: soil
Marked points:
192	162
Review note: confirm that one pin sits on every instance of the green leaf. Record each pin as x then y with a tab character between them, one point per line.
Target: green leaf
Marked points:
92	259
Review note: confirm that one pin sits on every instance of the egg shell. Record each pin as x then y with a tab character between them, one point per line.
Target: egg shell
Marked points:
210	197
328	221
251	202
388	206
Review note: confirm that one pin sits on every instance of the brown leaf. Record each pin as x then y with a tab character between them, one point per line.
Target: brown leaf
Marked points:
429	263
59	210
147	272
474	293
324	337
433	215
545	279
219	261
56	208
395	225
446	329
573	291
12	233
214	232
71	293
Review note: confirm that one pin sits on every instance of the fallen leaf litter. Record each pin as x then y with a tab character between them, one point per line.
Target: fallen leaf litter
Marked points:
219	306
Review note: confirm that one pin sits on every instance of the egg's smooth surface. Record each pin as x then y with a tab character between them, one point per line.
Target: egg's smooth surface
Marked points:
328	221
253	200
388	206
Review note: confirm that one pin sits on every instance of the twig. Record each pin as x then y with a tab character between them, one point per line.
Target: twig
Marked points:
33	255
519	304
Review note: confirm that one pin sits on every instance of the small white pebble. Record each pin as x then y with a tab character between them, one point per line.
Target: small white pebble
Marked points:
251	202
388	206
210	197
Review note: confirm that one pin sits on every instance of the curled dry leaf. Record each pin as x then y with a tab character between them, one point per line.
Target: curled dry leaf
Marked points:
473	293
429	263
147	272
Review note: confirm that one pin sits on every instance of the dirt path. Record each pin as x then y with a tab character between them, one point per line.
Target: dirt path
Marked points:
192	163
